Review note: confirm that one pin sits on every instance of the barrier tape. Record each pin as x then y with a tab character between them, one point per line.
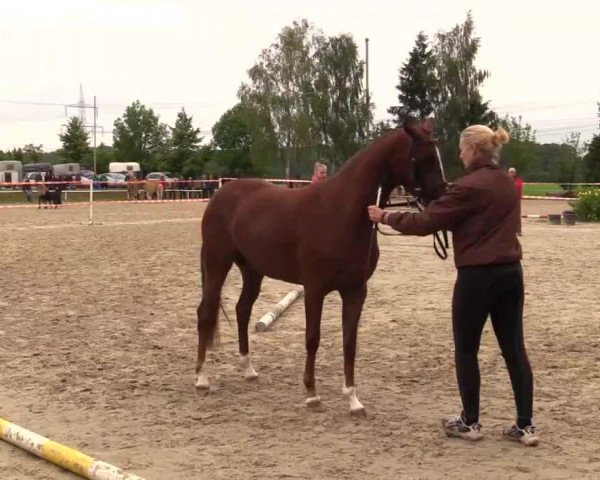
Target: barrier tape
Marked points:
533	197
197	183
103	202
103	182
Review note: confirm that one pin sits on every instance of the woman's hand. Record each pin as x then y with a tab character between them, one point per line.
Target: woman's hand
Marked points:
375	213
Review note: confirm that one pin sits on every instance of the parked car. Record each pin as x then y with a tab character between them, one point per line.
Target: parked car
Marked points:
159	175
85	182
34	177
119	177
111	180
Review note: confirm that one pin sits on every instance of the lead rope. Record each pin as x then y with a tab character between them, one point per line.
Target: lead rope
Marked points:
373	233
440	246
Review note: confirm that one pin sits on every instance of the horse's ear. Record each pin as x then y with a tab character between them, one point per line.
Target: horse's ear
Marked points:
420	130
411	127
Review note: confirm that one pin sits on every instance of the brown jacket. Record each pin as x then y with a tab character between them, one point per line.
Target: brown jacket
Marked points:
481	210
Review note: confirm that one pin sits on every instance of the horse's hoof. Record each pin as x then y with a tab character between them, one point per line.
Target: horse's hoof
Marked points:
247	368
314	404
358	412
202	383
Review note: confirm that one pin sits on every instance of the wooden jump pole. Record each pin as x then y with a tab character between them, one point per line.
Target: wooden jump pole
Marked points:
269	318
65	457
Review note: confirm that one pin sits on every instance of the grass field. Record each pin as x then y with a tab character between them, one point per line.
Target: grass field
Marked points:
540	189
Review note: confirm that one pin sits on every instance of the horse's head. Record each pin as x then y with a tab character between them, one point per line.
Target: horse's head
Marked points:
416	163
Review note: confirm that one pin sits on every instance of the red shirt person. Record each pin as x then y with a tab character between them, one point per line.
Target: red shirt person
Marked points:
512	173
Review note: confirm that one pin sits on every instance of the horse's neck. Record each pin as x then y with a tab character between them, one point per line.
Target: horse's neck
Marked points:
359	181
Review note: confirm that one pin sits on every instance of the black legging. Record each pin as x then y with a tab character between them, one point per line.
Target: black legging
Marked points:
496	290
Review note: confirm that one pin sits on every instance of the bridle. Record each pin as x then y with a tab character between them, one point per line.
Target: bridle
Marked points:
440	242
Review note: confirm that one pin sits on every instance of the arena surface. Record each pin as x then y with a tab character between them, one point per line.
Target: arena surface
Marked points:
97	351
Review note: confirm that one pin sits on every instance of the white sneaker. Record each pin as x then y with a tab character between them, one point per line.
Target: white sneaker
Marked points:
455	426
526	435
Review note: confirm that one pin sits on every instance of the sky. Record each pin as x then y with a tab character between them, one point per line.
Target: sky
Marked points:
543	56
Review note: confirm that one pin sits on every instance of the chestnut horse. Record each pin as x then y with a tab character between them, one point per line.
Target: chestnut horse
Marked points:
319	237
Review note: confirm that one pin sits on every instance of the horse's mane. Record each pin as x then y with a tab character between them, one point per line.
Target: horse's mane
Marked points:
381	143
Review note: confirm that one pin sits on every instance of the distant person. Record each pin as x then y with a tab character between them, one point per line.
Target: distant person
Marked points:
518	181
27	189
319	172
162	187
204	186
212	185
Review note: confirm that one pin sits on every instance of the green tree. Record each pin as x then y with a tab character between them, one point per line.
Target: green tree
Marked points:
521	152
75	140
32	153
592	158
140	137
458	102
241	138
233	131
307	90
592	161
185	144
570	165
279	86
339	113
105	154
418	83
17	154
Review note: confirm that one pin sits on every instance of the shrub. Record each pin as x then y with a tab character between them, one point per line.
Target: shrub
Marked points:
588	205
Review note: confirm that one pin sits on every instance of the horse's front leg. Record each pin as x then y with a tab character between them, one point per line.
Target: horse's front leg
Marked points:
352	305
313	304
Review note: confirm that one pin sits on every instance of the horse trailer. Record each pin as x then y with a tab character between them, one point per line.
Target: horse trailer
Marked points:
11	171
127	168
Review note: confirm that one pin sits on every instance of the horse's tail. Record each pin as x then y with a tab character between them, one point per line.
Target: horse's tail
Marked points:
208	310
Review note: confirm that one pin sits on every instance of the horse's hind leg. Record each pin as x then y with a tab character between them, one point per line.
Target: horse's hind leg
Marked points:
250	291
352	305
215	267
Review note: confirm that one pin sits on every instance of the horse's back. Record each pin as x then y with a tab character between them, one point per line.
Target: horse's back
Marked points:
244	186
235	192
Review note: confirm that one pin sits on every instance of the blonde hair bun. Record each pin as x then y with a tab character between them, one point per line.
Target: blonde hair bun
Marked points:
501	136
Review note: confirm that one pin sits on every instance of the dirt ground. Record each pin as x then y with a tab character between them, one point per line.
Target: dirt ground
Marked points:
97	351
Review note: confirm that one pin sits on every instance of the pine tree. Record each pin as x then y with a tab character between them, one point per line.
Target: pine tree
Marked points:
75	140
185	141
417	83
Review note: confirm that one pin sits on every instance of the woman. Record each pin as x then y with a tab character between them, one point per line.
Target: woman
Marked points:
482	212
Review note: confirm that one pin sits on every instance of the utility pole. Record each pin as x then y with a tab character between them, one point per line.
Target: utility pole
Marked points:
82	106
